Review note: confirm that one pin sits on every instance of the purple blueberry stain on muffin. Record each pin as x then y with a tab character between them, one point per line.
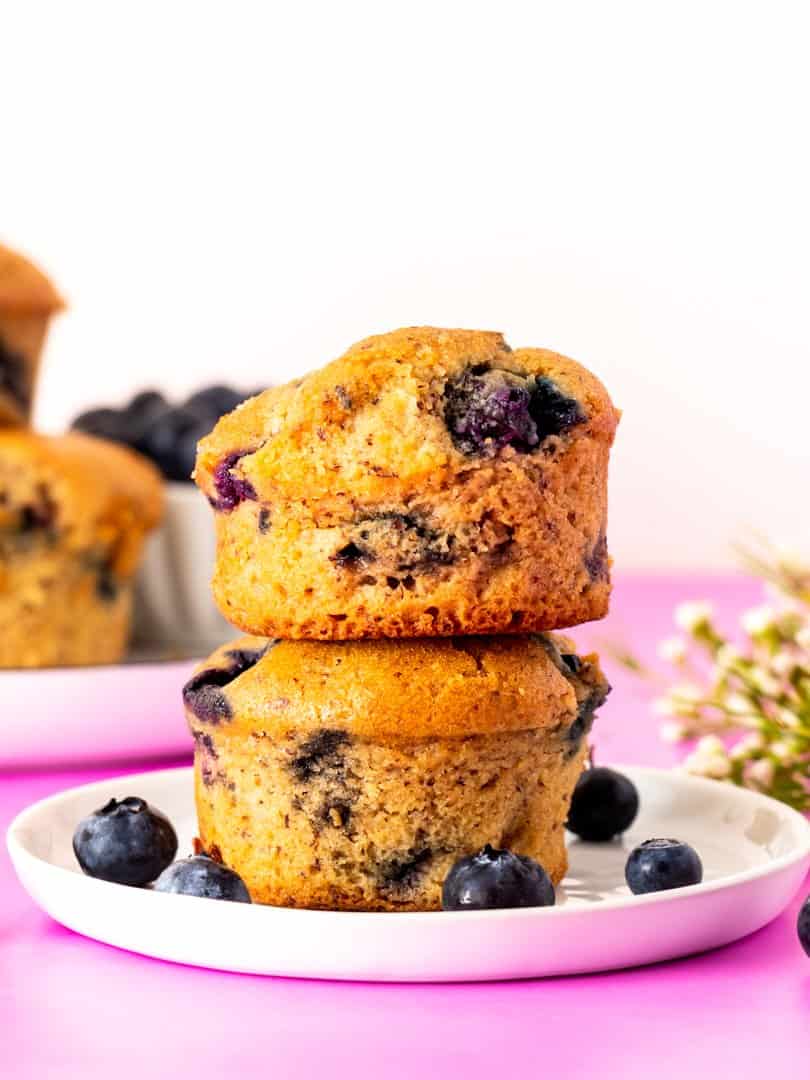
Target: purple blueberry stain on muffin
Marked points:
207	757
596	560
264	521
328	789
399	873
401	541
486	409
319	754
231	488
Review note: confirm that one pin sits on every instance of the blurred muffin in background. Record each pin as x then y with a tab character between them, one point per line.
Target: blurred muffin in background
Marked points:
74	515
174	609
28	300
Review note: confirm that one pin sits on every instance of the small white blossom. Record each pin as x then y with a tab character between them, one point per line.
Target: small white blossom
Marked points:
765	682
710	745
803	637
748	745
673	732
714	766
759	620
759	774
788	718
738	704
782	750
727	656
693	615
673	650
783	664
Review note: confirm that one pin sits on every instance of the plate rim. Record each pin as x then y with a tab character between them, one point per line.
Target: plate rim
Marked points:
18	852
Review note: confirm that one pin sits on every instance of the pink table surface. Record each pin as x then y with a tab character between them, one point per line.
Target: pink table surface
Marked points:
70	1007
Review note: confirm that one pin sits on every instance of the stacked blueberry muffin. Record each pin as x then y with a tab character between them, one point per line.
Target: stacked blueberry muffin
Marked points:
74	510
398	532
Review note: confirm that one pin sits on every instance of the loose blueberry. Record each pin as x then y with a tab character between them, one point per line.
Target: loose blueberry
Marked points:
803	926
496	879
604	804
128	842
214	401
103	423
201	876
657	865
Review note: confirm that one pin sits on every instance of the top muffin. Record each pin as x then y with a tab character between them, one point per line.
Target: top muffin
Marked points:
428	482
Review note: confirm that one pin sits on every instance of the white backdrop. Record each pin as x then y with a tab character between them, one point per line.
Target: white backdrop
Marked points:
240	191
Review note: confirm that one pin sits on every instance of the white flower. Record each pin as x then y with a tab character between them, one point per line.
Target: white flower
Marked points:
710	745
691	616
782	750
727	656
673	650
783	663
766	683
803	638
788	718
747	745
672	732
738	704
759	774
759	620
679	701
709	759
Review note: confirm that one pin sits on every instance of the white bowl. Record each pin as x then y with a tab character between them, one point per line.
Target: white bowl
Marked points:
174	607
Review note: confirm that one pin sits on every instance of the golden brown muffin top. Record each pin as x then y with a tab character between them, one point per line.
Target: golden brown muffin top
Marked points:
374	423
23	287
89	491
408	689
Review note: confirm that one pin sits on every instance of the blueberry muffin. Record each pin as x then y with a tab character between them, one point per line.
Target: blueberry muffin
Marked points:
427	483
74	513
352	775
27	302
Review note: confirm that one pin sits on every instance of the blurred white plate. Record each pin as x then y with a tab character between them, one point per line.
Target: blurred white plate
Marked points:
78	715
755	853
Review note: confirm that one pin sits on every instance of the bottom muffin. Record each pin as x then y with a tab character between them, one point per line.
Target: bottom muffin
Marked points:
352	775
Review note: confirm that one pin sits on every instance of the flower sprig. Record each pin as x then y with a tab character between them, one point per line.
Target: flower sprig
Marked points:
748	706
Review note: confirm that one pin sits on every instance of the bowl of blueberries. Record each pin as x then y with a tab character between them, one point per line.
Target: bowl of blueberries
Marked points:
173	605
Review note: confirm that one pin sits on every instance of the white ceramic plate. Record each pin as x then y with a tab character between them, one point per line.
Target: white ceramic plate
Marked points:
755	853
82	715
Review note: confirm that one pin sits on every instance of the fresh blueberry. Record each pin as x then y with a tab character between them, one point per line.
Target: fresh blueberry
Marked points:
604	804
162	436
201	876
496	879
803	926
147	403
487	409
103	423
214	401
657	865
128	842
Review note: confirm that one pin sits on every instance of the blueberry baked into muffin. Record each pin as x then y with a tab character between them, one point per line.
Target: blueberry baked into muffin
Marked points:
27	302
74	513
427	483
352	775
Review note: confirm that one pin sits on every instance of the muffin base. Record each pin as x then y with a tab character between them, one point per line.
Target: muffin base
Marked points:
59	610
337	822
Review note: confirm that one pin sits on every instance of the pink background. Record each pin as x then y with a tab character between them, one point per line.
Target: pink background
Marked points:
70	1007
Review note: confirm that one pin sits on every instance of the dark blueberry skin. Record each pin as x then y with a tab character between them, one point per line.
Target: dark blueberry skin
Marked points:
203	694
165	433
803	926
201	876
604	804
231	489
496	879
128	842
488	409
659	865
